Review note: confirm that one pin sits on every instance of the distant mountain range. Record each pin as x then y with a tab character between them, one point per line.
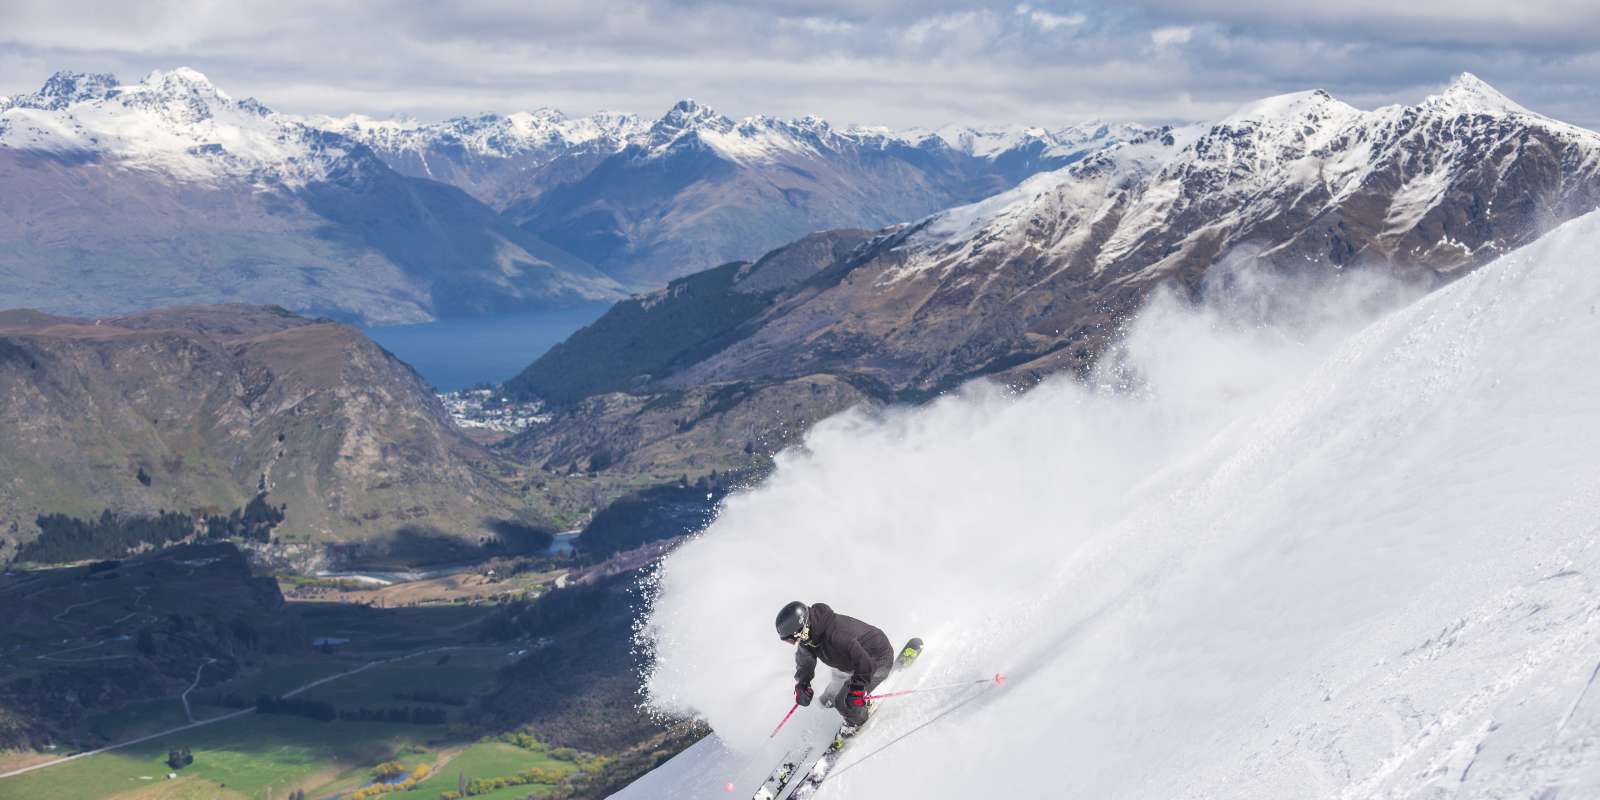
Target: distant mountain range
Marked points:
1034	280
650	201
123	197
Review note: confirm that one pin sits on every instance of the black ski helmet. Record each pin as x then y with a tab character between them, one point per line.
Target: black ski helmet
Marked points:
792	619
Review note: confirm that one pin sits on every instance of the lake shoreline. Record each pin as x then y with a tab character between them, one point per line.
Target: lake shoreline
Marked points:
461	352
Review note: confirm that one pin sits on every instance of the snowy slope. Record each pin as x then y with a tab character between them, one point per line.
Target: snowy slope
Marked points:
1310	556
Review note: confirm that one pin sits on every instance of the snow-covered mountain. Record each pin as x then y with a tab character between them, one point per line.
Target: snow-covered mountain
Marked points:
283	209
1351	561
1037	280
700	189
541	131
995	142
1305	153
127	196
649	201
176	124
1030	280
497	158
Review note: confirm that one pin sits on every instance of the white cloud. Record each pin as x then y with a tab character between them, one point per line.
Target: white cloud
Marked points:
1049	21
1171	35
827	25
947	27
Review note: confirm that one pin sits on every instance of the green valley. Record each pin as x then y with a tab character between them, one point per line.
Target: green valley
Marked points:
270	697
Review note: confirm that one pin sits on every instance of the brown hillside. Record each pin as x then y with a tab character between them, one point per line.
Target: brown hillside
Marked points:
210	404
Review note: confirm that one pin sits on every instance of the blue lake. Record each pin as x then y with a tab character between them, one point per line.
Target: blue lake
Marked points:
457	353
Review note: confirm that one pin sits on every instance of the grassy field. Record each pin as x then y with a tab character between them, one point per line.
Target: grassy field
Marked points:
237	758
244	758
492	760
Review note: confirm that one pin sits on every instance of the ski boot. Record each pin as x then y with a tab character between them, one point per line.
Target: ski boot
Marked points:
848	731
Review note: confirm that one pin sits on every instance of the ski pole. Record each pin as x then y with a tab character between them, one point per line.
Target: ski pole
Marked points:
996	680
785	720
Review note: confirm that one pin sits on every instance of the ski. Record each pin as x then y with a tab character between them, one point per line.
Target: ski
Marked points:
799	758
785	771
803	770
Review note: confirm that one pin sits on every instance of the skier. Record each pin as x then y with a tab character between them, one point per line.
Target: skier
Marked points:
845	643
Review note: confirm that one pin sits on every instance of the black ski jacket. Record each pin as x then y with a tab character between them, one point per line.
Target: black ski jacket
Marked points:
845	643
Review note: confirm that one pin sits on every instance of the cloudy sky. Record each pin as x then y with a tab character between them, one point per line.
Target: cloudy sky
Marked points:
890	62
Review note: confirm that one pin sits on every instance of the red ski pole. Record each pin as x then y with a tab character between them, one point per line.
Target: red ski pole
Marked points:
785	720
996	680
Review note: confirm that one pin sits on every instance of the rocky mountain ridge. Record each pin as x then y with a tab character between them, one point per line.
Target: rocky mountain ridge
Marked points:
1034	281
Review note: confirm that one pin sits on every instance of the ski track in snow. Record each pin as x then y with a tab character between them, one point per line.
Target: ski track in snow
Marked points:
1352	559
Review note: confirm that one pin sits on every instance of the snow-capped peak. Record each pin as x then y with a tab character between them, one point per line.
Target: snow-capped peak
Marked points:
541	117
182	79
1291	108
358	124
184	95
991	142
687	112
1304	147
986	142
1468	94
812	122
541	133
175	123
686	116
65	88
489	133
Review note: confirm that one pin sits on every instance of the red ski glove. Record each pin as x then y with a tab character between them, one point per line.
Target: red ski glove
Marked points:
803	694
858	697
